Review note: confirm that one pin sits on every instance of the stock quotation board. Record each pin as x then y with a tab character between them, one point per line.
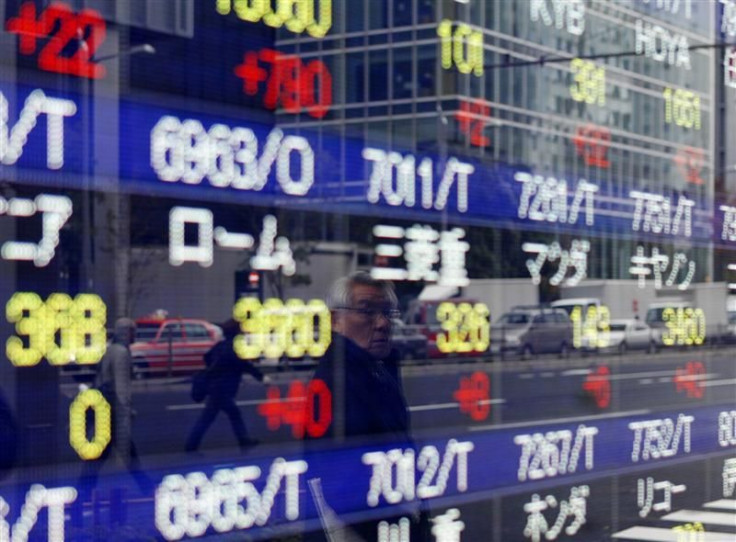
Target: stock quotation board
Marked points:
542	183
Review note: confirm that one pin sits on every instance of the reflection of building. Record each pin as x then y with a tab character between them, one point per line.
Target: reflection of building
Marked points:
635	122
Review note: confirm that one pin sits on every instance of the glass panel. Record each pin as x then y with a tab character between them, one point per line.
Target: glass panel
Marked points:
471	264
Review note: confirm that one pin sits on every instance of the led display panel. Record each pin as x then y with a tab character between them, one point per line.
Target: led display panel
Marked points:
396	270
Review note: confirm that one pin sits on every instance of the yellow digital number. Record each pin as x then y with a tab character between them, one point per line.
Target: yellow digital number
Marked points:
449	319
690	532
466	327
309	328
276	319
594	329
297	329
669	317
462	48
249	344
696	329
28	312
480	336
90	449
319	318
59	318
89	315
577	326
590	82
685	326
464	310
296	15
80	323
274	329
682	108
601	318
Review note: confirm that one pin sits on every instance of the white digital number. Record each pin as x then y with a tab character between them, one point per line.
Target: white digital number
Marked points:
184	151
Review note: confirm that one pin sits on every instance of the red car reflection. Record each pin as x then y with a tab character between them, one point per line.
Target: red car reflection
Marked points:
170	346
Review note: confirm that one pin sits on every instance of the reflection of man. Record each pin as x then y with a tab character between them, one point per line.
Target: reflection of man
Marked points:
114	381
225	370
361	371
360	368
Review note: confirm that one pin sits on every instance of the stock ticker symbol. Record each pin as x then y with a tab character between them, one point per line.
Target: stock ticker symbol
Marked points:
474	395
471	119
592	143
306	408
598	385
689	379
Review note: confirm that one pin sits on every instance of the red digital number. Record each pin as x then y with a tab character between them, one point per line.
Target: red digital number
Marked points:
81	32
689	379
690	162
474	395
598	386
294	84
472	119
306	408
592	143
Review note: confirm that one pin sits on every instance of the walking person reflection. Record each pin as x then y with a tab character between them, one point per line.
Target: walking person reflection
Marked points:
225	369
114	382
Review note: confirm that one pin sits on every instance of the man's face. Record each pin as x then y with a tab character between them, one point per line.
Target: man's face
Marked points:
372	332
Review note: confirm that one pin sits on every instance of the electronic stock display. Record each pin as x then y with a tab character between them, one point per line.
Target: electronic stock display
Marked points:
183	163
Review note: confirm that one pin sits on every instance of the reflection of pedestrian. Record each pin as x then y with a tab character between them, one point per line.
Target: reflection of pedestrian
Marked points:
114	381
225	369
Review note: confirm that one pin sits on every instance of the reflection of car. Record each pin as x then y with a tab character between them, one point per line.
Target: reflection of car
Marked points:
408	340
630	334
171	345
527	331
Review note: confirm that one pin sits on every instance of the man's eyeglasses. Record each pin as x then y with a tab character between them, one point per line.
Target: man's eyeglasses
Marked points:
373	313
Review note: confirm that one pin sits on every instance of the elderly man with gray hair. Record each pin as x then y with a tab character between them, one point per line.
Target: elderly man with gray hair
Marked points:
360	368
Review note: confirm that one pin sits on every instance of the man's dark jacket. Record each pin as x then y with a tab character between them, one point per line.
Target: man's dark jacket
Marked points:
369	391
368	401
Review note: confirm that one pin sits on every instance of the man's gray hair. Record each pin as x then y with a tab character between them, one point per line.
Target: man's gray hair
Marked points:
340	293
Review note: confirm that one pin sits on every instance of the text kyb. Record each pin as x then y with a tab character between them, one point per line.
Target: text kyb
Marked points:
567	14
